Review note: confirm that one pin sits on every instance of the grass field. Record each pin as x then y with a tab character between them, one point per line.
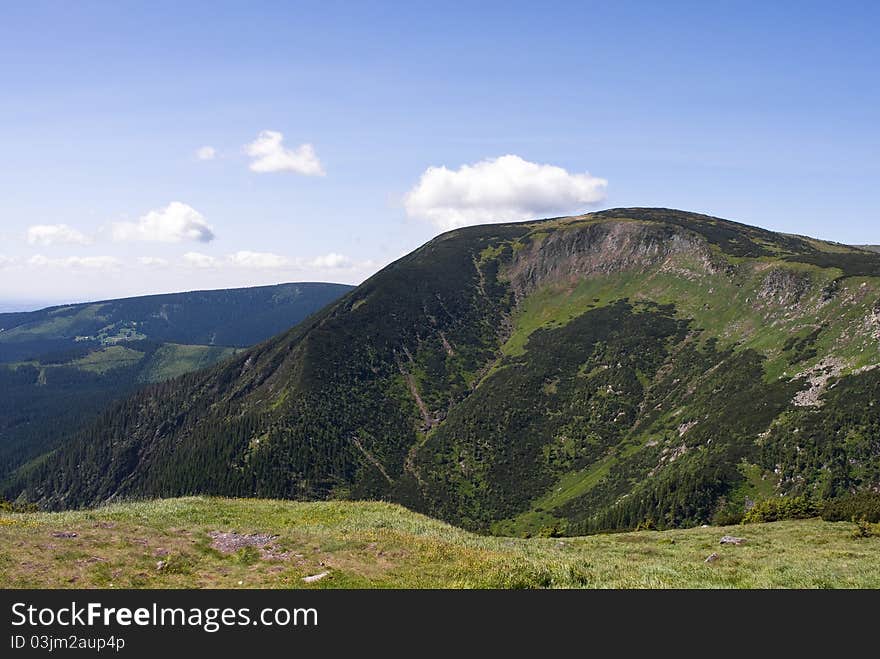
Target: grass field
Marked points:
174	543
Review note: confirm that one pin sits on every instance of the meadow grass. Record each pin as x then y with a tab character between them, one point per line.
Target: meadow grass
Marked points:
166	544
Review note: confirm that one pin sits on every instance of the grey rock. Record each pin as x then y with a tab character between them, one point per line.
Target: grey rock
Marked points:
732	540
315	577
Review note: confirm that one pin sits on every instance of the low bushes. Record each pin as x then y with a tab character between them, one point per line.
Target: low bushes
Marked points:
773	510
862	506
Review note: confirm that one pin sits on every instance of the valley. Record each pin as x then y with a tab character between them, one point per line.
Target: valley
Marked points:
60	366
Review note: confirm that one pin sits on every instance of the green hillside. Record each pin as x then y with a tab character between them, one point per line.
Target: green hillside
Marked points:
236	317
616	369
223	543
60	366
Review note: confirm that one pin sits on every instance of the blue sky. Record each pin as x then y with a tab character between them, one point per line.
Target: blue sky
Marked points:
763	114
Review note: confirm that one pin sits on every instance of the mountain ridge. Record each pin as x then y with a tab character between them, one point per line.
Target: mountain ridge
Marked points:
570	374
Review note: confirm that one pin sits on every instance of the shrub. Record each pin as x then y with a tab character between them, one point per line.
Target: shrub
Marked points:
179	564
7	506
727	517
773	510
861	506
862	530
247	555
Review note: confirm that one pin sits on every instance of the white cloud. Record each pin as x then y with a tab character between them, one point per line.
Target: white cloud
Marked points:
268	261
152	261
330	261
247	259
77	262
174	223
206	153
505	189
199	260
269	155
6	261
55	234
240	259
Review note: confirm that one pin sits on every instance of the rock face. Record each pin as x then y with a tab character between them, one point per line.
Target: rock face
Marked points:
601	248
784	287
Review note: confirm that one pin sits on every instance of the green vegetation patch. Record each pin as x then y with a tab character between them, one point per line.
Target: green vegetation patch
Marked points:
107	359
173	359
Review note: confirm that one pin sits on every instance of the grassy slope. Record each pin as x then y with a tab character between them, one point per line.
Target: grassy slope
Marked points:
173	359
383	545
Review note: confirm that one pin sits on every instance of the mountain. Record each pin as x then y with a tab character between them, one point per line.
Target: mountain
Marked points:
237	317
625	367
61	365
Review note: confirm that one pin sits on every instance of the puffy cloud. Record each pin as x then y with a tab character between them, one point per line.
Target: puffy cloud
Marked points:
206	153
174	223
270	155
76	262
152	261
330	261
505	189
55	234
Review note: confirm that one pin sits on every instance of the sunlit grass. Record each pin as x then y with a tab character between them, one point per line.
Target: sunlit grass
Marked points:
165	544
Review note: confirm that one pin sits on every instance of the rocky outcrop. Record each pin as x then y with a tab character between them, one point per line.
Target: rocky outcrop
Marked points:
784	287
816	379
601	248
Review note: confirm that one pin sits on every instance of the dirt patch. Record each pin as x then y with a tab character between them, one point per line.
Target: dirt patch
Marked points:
231	542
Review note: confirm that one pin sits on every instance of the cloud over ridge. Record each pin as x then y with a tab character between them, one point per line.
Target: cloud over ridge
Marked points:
503	189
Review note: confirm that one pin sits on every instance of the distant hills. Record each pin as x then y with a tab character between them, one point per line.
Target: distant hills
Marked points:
60	365
631	367
237	317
